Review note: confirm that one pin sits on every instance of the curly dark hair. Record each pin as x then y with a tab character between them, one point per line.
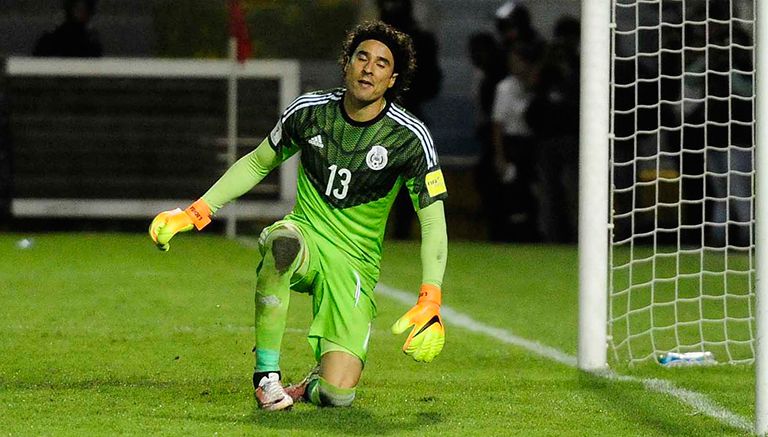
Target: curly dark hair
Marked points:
399	44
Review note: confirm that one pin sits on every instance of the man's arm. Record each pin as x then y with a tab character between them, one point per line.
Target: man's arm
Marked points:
427	336
239	179
434	243
242	176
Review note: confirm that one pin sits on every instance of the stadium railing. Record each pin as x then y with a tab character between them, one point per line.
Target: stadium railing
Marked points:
127	137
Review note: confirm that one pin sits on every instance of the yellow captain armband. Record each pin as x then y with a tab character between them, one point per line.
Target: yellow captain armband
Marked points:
435	183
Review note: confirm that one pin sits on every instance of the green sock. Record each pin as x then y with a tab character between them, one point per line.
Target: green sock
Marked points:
272	299
267	360
323	393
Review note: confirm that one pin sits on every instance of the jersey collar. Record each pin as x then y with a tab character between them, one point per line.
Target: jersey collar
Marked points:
375	119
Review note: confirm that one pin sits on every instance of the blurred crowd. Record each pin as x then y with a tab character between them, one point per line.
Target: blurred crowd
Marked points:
683	125
527	98
683	105
73	38
685	113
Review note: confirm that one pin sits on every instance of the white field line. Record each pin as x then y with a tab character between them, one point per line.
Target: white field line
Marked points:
697	401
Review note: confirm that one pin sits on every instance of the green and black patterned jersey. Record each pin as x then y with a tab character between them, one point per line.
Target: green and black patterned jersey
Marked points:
350	172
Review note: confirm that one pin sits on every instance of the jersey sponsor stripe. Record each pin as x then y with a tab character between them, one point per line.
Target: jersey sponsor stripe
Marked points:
420	126
305	97
307	104
413	124
308	100
419	130
424	146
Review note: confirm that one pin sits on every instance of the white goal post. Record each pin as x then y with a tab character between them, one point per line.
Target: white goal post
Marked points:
46	73
593	183
761	222
673	194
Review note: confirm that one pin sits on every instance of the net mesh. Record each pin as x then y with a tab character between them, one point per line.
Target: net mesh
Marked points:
682	179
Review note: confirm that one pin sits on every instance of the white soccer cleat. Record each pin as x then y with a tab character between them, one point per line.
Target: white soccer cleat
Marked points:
270	394
298	392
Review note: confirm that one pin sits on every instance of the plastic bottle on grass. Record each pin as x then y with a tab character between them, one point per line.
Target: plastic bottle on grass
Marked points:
25	243
674	359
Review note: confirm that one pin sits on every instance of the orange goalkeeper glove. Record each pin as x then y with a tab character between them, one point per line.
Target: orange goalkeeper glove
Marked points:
428	334
169	223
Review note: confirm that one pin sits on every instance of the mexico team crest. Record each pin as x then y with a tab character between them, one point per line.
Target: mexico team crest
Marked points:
377	158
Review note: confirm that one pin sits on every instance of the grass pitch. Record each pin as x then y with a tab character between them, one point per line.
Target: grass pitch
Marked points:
101	334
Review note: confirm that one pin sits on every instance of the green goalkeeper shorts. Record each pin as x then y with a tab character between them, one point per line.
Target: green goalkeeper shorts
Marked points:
343	306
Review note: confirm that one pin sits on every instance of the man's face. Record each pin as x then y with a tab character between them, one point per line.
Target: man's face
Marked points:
81	13
369	73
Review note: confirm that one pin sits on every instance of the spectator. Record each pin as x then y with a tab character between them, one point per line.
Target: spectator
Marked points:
73	38
514	154
489	69
513	23
553	116
425	86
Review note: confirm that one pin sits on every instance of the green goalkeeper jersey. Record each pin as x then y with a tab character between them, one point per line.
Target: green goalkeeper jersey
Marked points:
350	172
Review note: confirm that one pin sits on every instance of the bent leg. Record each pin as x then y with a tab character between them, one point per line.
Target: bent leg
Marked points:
341	369
343	309
337	382
283	252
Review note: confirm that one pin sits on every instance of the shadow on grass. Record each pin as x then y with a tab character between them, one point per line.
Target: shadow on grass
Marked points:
229	402
630	401
354	420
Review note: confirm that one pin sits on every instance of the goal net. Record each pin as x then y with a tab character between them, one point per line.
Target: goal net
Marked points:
681	255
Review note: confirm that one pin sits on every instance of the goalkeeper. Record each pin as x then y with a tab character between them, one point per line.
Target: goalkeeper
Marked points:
358	148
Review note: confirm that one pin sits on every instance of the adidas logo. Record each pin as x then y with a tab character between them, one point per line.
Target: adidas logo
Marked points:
316	141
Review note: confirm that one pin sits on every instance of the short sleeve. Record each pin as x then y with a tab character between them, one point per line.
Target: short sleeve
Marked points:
280	138
424	177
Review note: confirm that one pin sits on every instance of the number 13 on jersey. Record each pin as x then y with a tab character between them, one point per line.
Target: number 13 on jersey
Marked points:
344	177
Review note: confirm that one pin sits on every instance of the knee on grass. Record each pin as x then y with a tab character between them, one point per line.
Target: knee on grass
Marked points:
325	394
